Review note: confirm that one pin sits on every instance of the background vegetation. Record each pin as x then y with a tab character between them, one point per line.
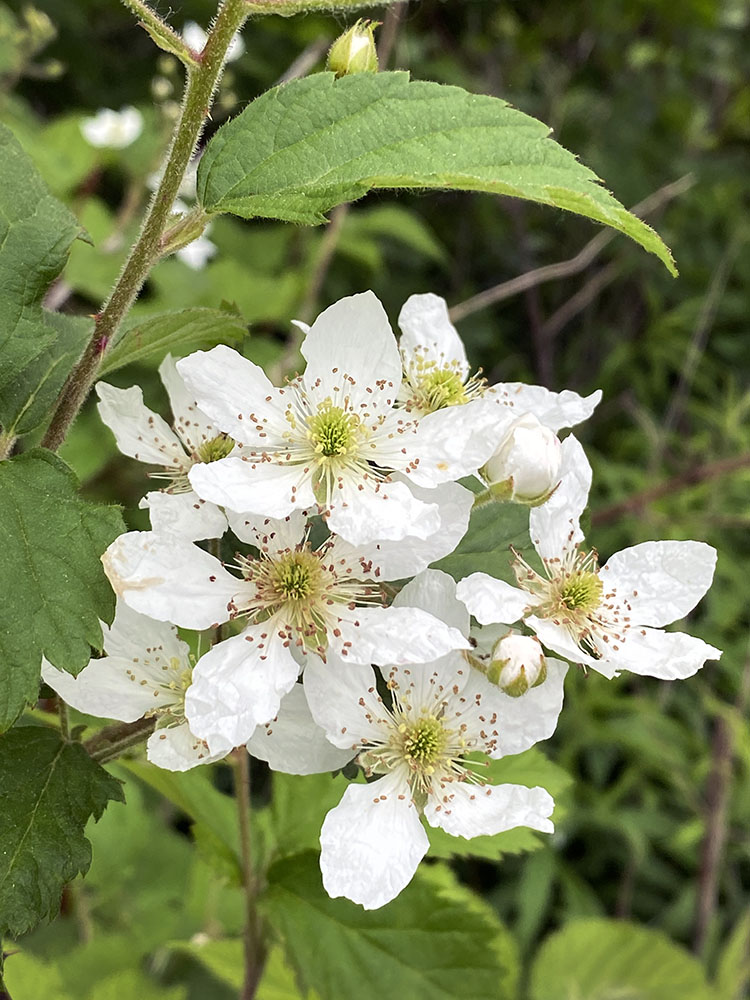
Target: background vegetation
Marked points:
653	95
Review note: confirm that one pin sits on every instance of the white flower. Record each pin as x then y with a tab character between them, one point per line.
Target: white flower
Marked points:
527	463
464	420
145	673
373	840
195	38
144	435
608	618
332	436
295	599
198	253
110	129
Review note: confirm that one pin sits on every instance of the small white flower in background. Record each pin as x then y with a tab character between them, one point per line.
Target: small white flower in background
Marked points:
198	253
144	435
188	185
373	840
295	599
608	618
332	436
195	38
145	673
526	466
465	420
110	129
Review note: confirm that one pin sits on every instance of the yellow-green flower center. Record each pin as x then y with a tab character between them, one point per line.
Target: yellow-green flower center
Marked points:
441	387
333	431
296	577
424	742
215	449
581	591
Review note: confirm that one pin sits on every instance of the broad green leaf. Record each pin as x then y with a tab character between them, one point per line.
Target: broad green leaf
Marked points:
48	791
36	232
530	768
225	959
486	546
132	984
435	940
612	960
304	147
28	400
298	807
733	970
53	585
180	332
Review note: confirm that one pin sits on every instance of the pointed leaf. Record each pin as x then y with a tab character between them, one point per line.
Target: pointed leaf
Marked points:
48	791
304	147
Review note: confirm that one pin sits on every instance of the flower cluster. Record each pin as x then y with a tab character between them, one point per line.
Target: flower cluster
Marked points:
299	524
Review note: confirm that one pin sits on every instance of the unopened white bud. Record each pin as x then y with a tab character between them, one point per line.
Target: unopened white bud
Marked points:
517	664
526	466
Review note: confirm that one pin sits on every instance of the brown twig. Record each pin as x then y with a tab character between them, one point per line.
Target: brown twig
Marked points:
253	937
578	302
691	477
111	741
574	265
718	789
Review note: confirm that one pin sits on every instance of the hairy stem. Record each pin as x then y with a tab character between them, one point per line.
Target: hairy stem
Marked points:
202	81
112	741
7	441
62	711
253	938
164	35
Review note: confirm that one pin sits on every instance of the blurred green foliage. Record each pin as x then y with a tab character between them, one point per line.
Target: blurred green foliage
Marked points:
645	92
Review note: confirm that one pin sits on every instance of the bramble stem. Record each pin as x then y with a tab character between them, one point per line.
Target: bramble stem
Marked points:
253	939
164	35
202	80
64	715
111	741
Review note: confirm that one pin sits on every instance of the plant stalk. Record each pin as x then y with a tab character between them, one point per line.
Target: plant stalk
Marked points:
112	741
253	938
202	80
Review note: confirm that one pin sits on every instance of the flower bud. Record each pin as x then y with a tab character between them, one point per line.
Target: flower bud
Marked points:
354	51
517	664
526	466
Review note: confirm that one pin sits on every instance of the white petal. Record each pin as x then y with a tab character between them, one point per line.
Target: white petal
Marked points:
426	331
372	843
424	687
176	749
491	600
555	410
554	526
170	579
344	701
184	514
139	432
153	644
238	685
435	592
195	37
466	810
190	422
103	688
262	488
354	337
396	560
198	253
527	720
270	534
294	743
558	639
393	636
660	581
458	440
668	655
230	390
381	511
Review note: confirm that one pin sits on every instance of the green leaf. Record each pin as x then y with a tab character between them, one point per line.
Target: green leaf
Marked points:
36	232
53	585
298	807
733	971
486	546
530	768
304	147
612	960
181	332
27	976
48	791
225	959
435	940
